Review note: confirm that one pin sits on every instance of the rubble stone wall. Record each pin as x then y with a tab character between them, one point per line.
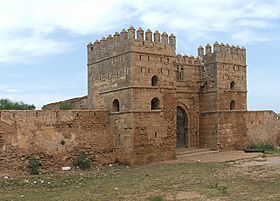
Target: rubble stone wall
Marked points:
263	127
56	138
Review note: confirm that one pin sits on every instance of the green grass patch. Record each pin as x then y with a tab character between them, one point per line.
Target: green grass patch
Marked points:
156	198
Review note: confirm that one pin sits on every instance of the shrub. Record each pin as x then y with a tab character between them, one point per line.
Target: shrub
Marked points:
65	106
219	188
34	166
156	198
268	148
83	162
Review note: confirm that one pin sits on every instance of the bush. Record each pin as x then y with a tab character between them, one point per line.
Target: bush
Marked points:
34	166
65	106
156	198
82	161
268	148
6	104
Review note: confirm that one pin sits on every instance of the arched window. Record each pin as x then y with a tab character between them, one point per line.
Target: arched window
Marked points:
232	85
181	74
232	105
154	80
116	105
155	104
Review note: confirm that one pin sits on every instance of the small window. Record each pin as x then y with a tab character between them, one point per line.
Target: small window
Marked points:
232	105
116	106
181	76
155	104
154	80
232	85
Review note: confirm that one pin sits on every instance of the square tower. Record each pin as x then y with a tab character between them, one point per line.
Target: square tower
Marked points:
223	96
134	78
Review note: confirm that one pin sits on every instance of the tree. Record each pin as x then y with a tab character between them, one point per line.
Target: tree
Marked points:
6	104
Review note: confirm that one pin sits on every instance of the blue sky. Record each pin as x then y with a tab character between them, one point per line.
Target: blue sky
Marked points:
43	43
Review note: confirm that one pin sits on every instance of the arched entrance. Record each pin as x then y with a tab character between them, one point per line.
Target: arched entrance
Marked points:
182	128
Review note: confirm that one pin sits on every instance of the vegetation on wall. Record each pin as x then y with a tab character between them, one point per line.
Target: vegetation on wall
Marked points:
82	161
65	106
6	104
34	166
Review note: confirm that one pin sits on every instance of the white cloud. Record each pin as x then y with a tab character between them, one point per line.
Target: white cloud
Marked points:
28	25
28	49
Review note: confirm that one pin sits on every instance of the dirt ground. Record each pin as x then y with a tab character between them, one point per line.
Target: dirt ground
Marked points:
217	157
222	176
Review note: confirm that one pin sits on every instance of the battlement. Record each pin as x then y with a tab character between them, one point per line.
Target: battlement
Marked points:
131	40
190	60
223	53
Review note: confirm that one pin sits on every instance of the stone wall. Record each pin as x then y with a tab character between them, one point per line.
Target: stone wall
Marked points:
208	130
263	127
224	130
54	137
232	131
122	127
79	103
154	136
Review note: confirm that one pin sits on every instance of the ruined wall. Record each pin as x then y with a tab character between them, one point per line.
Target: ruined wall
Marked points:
122	127
224	130
79	103
208	130
41	134
232	130
154	136
263	127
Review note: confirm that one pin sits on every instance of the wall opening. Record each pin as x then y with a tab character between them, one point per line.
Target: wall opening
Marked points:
182	128
232	105
155	104
154	80
116	105
232	85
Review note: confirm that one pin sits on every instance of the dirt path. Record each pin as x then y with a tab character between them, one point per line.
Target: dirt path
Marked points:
225	156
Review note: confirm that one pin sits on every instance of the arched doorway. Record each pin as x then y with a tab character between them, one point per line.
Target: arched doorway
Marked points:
182	128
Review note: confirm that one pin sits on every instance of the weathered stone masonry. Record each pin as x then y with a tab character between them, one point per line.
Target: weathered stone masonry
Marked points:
54	137
144	101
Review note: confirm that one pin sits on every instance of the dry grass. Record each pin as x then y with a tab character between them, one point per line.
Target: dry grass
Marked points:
192	181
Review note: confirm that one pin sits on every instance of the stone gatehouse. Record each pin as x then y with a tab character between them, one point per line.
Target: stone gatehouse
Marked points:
144	101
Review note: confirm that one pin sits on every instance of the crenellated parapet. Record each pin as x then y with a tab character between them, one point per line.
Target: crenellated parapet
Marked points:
189	60
223	53
131	40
